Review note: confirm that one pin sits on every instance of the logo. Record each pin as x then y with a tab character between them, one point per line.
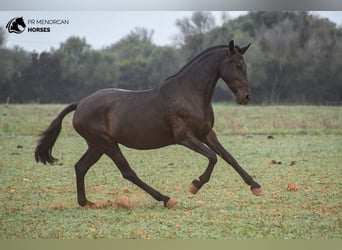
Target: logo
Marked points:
16	25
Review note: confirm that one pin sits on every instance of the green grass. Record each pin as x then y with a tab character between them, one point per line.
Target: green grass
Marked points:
39	201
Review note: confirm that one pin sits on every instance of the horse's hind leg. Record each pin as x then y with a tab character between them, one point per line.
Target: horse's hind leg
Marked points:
81	168
128	173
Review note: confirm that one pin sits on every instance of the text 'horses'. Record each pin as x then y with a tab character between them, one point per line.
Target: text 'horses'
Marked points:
177	111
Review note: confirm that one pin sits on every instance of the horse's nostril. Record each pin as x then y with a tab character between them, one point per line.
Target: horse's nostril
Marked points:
247	97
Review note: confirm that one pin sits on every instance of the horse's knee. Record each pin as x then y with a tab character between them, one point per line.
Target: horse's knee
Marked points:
129	175
212	159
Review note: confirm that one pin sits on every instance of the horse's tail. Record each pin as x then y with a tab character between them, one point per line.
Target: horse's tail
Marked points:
49	137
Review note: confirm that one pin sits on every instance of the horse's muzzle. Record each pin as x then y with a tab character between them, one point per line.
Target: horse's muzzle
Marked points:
243	99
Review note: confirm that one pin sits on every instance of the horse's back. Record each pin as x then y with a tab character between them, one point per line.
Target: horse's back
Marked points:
131	118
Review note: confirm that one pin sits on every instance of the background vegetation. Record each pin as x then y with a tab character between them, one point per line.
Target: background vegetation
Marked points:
295	58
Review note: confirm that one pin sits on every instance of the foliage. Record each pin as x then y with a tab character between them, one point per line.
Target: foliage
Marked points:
296	158
295	58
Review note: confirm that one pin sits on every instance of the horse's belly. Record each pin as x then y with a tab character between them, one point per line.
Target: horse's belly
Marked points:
141	130
148	139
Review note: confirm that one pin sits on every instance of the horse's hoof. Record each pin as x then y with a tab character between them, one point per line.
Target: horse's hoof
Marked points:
193	188
258	191
171	203
86	204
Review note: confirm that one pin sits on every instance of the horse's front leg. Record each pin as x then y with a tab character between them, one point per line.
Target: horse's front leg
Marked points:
212	141
195	144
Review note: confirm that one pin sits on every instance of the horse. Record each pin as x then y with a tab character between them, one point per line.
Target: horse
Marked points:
176	111
13	25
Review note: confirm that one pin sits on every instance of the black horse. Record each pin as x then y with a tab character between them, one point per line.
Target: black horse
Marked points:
177	111
13	25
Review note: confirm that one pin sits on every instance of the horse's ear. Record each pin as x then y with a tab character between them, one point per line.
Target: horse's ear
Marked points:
231	46
244	49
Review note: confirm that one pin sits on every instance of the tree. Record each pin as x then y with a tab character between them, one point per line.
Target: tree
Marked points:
295	58
280	44
162	63
192	32
130	55
12	63
198	23
72	54
2	37
139	34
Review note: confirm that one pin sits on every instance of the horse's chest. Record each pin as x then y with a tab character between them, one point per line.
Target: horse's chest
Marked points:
200	125
199	120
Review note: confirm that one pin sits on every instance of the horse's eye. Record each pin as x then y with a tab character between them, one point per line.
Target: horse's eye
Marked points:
239	64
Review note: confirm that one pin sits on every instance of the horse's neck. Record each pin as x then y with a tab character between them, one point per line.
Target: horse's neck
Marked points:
202	75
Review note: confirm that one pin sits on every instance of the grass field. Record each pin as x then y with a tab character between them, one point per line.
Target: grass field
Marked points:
295	152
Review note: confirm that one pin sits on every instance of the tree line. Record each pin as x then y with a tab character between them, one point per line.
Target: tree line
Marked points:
296	57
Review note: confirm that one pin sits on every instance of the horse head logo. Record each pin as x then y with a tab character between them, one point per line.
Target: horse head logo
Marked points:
16	25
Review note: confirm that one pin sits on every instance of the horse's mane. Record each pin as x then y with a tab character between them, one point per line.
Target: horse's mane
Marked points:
195	58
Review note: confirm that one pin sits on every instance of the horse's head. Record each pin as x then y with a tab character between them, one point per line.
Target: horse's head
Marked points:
233	72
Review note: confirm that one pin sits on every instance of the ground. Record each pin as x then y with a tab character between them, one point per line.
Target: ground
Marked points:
294	152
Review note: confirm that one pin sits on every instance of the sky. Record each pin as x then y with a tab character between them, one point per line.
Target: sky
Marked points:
101	28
